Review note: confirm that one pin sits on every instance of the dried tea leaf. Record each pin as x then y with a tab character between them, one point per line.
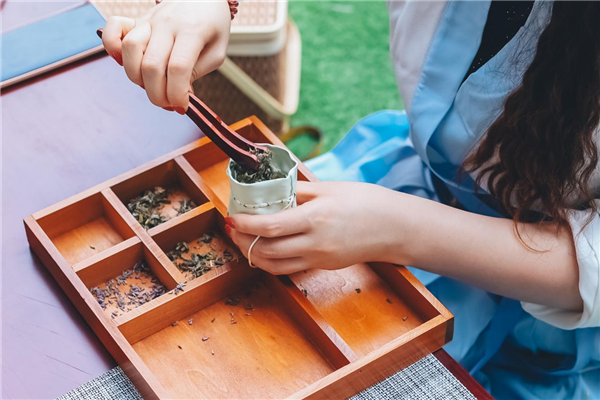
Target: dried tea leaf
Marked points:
266	170
185	205
232	301
125	299
146	207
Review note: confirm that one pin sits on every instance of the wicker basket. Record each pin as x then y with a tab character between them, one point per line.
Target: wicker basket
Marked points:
262	73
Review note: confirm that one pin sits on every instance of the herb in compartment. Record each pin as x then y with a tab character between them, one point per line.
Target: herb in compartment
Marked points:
129	290
147	208
212	253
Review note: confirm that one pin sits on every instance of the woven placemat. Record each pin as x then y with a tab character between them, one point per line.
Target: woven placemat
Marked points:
424	380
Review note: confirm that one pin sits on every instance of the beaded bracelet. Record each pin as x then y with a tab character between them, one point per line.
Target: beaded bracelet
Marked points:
233	5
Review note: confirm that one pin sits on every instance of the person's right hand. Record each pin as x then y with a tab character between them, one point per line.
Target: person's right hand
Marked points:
170	46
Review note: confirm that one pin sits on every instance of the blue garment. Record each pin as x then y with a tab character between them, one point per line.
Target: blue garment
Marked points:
513	354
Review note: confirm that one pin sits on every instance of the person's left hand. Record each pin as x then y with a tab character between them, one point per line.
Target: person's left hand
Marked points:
337	224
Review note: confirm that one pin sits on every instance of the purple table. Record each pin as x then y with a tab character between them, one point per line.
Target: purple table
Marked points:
61	134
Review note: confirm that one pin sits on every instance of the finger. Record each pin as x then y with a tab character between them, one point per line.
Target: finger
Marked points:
184	56
285	266
134	46
211	58
241	240
283	223
283	247
154	65
275	266
115	30
274	248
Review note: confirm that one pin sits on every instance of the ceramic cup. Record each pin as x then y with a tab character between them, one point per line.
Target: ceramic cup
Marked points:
267	197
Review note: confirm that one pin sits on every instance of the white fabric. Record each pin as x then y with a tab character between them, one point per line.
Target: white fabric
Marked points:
413	25
587	243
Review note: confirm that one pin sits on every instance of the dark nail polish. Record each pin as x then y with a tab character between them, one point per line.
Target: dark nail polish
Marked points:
228	230
169	108
118	59
230	221
180	110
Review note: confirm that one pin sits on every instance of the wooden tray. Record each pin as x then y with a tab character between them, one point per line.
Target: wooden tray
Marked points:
308	335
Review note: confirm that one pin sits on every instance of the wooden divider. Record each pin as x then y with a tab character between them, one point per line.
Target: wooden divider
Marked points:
150	318
109	263
331	345
163	268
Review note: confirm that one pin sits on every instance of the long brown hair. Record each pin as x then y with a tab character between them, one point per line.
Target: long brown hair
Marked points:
543	141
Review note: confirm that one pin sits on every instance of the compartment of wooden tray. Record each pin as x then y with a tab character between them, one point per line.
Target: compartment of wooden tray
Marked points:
85	227
168	176
223	329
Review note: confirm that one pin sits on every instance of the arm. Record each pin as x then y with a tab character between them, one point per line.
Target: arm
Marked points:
339	224
487	253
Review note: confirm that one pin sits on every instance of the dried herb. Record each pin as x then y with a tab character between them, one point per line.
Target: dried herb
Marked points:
195	264
358	290
232	301
179	287
126	300
388	300
185	205
266	170
180	348
213	320
204	339
212	352
145	208
405	318
305	292
206	238
92	247
190	321
174	323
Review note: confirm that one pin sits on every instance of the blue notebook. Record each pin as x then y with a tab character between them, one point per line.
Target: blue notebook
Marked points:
50	42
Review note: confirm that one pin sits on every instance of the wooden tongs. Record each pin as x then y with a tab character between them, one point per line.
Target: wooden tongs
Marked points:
239	149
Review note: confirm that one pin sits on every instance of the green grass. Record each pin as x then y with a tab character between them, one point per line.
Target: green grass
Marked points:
346	68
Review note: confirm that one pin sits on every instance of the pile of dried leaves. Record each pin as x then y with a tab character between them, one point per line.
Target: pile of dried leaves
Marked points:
196	264
125	299
265	172
146	207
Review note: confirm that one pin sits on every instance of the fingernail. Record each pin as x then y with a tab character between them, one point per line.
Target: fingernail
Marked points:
99	33
180	110
118	59
228	230
169	108
230	221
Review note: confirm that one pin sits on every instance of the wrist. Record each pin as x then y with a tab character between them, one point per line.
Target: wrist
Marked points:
400	233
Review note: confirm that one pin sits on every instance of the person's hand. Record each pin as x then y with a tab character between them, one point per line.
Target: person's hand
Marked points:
169	47
336	224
